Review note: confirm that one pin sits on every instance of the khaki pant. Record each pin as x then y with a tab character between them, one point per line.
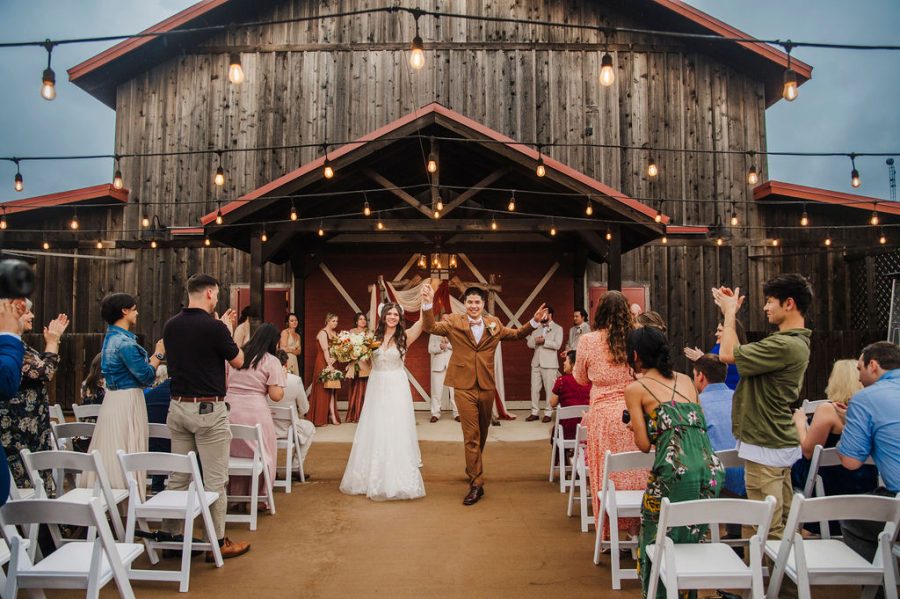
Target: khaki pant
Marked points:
209	436
542	378
762	481
474	407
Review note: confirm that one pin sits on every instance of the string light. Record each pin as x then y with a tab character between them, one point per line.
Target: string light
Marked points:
752	175
552	228
589	209
380	224
294	216
540	170
145	221
73	224
493	224
664	240
881	238
657	218
437	214
48	79
321	230
235	71
652	169
854	174
327	169
219	178
219	219
432	165
417	48
439	204
153	244
775	242
512	202
874	220
3	223
607	72
118	182
828	238
206	241
804	219
99	245
719	241
366	210
18	181
734	215
790	90
264	237
46	245
608	234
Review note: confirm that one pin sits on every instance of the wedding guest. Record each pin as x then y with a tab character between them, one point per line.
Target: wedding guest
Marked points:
716	399
440	350
322	407
569	392
290	342
359	379
295	393
601	362
545	341
92	389
651	319
732	378
579	327
127	369
260	375
249	318
25	417
11	353
666	416
872	427
199	345
157	399
771	376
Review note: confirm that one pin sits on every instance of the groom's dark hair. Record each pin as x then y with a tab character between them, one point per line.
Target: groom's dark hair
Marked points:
475	291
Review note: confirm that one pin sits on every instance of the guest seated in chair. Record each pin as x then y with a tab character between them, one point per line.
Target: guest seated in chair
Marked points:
295	393
569	392
157	399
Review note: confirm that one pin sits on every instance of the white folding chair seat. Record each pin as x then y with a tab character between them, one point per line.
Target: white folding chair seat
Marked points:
827	561
580	481
83	411
255	467
60	463
289	443
184	506
56	414
617	504
65	434
559	444
687	566
78	565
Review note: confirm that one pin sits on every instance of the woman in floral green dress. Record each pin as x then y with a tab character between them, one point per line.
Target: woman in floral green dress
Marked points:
685	467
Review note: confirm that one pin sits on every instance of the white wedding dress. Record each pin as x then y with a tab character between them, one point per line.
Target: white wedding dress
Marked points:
385	459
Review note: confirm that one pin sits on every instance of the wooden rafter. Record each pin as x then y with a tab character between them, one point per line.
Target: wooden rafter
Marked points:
470	193
391	187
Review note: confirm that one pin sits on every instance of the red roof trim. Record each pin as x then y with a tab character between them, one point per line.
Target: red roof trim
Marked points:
804	71
63	198
435	108
686	230
124	47
188	231
823	196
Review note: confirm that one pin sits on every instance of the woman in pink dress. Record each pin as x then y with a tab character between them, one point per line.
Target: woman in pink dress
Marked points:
248	386
601	362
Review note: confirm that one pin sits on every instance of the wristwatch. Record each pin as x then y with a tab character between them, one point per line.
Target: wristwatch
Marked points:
160	357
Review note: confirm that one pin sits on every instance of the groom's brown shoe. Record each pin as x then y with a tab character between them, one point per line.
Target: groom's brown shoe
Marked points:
475	493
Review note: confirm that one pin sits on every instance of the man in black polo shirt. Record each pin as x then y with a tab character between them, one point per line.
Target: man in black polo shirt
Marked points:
198	345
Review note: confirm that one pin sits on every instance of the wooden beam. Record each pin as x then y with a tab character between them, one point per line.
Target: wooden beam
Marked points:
391	187
299	307
614	258
469	193
257	276
579	273
275	244
442	225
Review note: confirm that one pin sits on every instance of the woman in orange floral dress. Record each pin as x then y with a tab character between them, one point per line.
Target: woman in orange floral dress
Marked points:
601	362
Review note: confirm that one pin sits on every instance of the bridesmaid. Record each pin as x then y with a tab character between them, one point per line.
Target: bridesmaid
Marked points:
290	343
357	381
322	401
601	361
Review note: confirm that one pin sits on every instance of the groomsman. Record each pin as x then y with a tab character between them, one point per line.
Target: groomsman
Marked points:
546	341
581	327
440	350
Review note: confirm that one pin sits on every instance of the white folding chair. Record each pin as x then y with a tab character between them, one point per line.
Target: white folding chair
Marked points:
559	444
828	561
617	504
809	407
159	431
16	493
254	467
77	565
62	463
175	505
65	434
83	411
687	566
580	480
56	414
288	418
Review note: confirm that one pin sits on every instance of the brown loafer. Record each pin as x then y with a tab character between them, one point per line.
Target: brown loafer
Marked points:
546	419
229	549
456	418
532	418
434	419
475	493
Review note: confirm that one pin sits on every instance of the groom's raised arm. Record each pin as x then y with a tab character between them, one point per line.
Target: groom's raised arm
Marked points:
428	323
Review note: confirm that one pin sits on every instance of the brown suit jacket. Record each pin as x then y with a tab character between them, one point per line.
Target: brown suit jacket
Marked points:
472	364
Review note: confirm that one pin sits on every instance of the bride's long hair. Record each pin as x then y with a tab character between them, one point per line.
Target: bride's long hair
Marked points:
399	331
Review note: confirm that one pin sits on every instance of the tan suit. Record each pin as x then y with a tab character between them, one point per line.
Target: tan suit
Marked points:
440	359
471	374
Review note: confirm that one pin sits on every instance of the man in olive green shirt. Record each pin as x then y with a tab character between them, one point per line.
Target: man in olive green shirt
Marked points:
771	373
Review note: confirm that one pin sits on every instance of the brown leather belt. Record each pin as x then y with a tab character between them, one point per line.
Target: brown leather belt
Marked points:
184	399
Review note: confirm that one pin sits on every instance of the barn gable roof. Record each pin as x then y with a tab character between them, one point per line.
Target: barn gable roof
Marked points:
84	195
101	74
773	191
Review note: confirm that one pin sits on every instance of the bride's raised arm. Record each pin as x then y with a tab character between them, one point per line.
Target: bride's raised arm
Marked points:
413	332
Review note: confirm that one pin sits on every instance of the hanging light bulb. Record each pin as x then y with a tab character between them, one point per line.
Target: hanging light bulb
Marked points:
552	228
294	213
118	181
3	223
607	72
881	238
432	164
46	246
734	218
752	175
366	210
417	50
439	204
145	221
380	224
207	242
99	245
874	220
790	91
608	234
321	230
652	169
664	240
589	209
540	170
804	218
48	79
153	244
219	178
657	218
512	202
235	71
854	174
327	169
775	242
437	214
828	239
719	241
493	224
451	262
264	237
73	224
219	219
18	181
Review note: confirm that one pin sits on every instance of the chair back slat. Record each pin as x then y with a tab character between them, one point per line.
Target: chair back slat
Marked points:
47	511
849	507
155	462
629	460
745	512
245	432
70	430
729	458
83	411
60	460
567	412
281	413
159	431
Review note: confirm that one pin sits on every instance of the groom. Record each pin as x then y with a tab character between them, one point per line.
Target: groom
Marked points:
474	337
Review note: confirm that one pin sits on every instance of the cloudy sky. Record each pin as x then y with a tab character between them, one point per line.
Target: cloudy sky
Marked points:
851	104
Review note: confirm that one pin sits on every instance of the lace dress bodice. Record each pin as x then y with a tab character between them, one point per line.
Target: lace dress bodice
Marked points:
387	359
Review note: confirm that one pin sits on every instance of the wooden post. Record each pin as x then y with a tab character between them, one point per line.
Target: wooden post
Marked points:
257	276
297	268
579	270
614	258
492	295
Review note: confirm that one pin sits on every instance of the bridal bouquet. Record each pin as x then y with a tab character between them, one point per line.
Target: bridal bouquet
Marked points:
353	347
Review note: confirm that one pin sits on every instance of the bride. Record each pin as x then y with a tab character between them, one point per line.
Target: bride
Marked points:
384	461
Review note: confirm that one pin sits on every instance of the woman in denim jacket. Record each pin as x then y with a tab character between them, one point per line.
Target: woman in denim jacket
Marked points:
126	368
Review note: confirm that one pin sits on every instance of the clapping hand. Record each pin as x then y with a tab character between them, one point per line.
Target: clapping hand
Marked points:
56	328
728	300
693	353
9	317
541	313
230	319
427	293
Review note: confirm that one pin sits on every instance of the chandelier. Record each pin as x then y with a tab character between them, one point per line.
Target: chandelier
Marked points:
439	262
